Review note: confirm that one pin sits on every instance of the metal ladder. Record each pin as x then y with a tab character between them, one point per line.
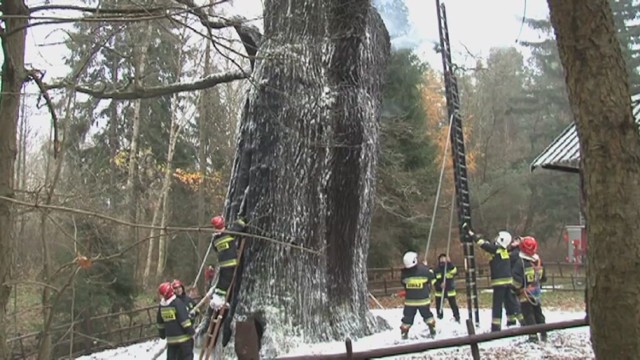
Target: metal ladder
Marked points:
459	164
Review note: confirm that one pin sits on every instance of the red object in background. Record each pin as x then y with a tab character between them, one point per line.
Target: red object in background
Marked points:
402	293
217	222
209	274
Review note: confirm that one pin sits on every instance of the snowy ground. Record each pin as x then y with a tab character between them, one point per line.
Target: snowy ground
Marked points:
565	344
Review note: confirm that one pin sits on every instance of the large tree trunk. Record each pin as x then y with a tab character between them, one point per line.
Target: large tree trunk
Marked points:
12	77
204	115
304	171
174	132
610	146
133	181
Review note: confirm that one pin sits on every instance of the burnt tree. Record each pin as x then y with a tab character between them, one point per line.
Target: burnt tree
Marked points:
304	170
599	94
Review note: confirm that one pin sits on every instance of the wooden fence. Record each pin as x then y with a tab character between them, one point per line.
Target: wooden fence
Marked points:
560	277
91	334
127	327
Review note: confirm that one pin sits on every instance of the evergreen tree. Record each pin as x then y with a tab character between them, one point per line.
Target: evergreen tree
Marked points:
406	173
627	19
626	14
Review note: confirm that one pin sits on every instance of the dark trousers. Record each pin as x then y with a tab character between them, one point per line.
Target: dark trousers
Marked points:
533	315
182	351
452	303
502	295
409	313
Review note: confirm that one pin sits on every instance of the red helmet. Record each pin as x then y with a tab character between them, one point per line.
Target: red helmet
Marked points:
217	222
529	245
165	290
175	283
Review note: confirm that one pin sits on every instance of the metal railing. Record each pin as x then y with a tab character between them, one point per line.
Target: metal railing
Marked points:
470	340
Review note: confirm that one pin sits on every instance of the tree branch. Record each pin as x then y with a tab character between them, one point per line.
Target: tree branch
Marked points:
27	282
93	10
131	92
249	35
165	228
36	76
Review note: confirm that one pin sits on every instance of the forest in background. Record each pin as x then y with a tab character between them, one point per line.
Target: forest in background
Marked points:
166	161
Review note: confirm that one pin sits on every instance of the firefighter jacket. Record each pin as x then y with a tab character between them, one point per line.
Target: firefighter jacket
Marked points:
188	302
500	263
447	278
227	248
417	281
528	273
174	323
514	255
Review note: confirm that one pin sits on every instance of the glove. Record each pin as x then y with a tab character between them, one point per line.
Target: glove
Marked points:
192	314
217	302
472	235
467	228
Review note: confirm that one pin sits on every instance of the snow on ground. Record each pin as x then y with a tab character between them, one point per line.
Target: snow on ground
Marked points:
145	350
563	345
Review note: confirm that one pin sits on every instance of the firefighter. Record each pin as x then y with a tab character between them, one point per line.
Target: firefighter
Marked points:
445	286
514	252
501	279
174	324
416	279
528	273
178	289
209	276
226	246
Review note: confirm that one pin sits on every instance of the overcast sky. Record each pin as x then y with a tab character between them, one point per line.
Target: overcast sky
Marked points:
477	24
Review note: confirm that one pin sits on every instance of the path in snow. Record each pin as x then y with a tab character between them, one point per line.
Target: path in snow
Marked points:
564	344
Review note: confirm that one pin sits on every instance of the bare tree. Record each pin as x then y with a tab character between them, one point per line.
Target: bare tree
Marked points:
305	169
13	33
600	99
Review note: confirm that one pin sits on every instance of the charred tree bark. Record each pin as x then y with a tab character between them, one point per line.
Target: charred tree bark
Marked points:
305	170
599	94
13	74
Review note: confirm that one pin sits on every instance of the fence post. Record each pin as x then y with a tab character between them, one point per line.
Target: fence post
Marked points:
24	354
89	331
385	287
349	346
247	340
475	351
560	268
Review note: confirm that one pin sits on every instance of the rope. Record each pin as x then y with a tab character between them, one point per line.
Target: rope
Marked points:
527	294
444	274
204	261
376	301
435	204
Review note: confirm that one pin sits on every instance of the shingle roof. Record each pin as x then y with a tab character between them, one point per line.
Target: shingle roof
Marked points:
563	153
